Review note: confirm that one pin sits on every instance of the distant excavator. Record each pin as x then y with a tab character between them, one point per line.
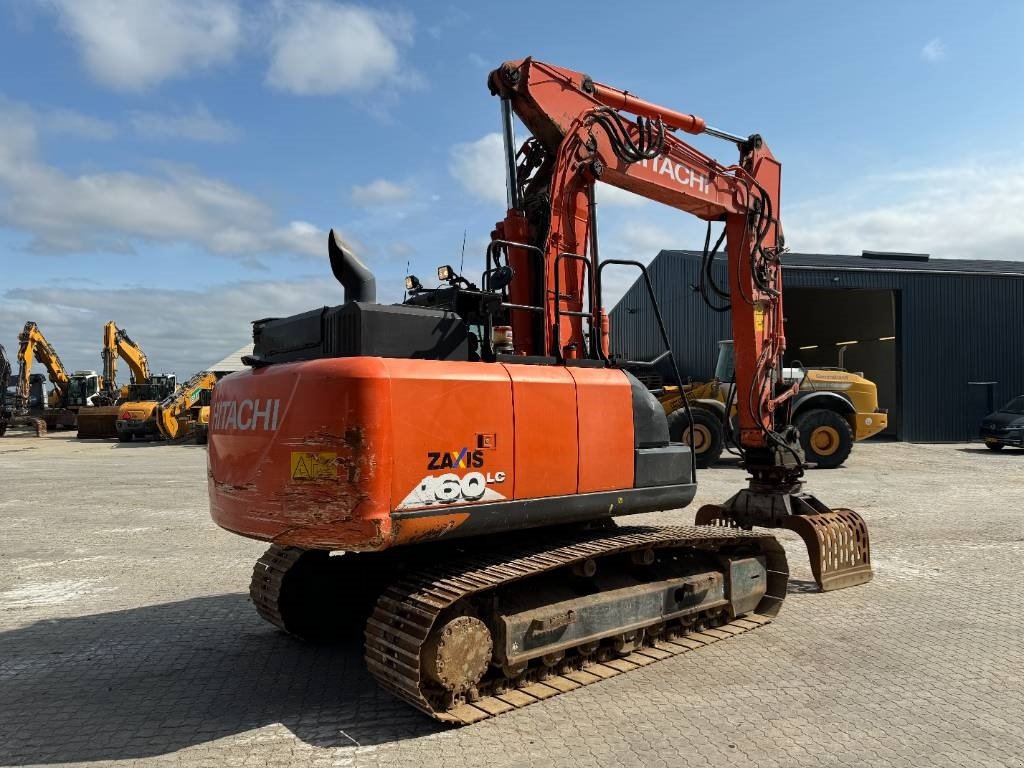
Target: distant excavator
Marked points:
186	412
8	415
70	392
101	421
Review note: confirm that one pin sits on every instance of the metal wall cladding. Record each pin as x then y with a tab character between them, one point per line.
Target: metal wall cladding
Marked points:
952	328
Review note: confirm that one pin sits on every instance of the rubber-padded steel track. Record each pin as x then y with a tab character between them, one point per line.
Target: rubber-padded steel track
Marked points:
407	610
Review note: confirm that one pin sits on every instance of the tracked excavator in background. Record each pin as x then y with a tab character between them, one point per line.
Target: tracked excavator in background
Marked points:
469	450
101	420
70	392
6	410
185	413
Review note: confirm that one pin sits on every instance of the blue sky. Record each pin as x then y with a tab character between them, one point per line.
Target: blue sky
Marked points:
174	166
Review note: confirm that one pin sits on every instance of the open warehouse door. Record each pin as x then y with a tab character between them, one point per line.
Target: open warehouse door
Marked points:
855	329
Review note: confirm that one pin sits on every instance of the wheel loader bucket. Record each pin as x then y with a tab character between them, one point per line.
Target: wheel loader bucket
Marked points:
98	421
837	542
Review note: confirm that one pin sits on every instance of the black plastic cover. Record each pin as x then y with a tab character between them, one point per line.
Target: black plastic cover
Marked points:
669	465
650	425
361	329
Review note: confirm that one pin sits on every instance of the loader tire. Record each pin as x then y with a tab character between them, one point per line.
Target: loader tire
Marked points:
990	446
825	436
708	437
125	437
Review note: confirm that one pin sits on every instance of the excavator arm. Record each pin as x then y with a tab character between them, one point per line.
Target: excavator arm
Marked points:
584	132
580	137
32	346
117	343
172	415
101	421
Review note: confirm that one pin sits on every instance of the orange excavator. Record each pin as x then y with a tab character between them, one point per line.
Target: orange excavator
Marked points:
467	452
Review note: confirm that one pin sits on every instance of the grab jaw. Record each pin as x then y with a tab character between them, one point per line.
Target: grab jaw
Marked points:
837	539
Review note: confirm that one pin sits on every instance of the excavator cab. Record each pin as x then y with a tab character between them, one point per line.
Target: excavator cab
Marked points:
82	389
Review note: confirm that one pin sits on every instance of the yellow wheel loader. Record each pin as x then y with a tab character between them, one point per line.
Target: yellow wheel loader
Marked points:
833	409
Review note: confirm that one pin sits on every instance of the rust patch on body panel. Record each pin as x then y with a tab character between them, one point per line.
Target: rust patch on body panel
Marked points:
427	528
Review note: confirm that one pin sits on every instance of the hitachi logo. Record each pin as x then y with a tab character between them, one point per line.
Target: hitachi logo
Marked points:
247	414
679	172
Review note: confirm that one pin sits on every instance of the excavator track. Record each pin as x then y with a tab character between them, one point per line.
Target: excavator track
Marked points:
403	634
430	609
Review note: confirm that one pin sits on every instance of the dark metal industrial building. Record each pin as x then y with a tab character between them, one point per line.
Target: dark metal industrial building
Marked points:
942	338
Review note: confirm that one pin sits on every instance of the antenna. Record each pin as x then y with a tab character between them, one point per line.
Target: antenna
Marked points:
462	261
405	294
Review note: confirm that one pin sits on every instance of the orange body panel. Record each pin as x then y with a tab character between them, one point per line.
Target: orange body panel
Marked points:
359	453
264	481
605	416
442	413
546	458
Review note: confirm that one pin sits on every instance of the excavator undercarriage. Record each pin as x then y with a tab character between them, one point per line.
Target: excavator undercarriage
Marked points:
463	634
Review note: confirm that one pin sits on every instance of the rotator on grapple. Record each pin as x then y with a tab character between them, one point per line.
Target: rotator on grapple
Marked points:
468	449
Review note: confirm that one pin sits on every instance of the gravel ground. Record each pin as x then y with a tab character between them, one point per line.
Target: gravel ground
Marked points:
126	635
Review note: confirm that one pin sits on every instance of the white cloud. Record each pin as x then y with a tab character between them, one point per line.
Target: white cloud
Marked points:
325	48
934	50
970	210
67	122
110	211
401	248
606	194
381	192
479	166
131	45
197	125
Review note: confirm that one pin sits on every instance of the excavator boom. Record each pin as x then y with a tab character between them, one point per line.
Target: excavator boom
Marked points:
32	346
180	411
101	421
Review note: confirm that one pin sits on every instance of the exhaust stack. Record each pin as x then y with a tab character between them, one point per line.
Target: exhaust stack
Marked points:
358	281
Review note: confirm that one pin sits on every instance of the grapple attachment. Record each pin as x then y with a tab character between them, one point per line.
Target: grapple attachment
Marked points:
837	539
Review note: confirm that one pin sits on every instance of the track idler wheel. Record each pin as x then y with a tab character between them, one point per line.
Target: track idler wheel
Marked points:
457	653
837	542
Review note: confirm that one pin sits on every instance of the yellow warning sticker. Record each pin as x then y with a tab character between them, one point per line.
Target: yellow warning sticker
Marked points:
759	318
311	465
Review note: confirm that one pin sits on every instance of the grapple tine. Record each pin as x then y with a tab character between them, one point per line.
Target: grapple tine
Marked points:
838	547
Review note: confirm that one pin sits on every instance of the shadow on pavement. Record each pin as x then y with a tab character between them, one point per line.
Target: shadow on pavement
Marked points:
1007	451
149	681
801	587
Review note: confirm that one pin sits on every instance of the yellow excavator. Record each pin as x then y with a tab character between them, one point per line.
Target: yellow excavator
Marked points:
13	413
186	412
101	421
833	409
70	392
